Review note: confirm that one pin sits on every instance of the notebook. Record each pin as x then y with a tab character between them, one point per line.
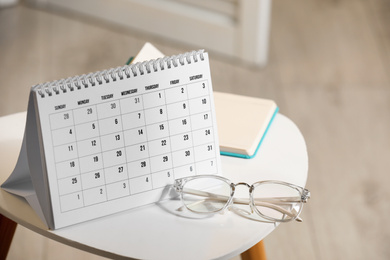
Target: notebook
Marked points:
113	140
242	121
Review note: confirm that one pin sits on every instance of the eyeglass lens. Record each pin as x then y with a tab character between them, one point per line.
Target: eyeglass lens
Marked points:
277	201
206	195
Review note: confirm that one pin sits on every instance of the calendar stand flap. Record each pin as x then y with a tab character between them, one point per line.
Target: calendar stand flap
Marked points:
27	176
35	156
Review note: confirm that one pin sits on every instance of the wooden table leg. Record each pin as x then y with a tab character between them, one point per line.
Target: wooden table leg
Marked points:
7	230
257	252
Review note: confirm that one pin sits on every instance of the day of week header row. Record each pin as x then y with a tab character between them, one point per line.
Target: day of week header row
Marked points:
128	92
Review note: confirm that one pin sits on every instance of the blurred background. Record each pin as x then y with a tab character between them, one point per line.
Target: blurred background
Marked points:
325	63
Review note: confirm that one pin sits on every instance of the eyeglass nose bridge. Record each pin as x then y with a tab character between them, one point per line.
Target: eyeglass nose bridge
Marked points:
242	183
250	187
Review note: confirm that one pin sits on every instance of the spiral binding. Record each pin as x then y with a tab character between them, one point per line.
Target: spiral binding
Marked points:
133	70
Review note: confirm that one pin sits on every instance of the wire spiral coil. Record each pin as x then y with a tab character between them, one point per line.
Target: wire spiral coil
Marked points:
119	73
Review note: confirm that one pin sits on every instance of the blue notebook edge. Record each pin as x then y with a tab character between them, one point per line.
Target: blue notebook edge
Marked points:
258	146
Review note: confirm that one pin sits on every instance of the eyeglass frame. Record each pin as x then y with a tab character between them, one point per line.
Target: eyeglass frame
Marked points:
304	195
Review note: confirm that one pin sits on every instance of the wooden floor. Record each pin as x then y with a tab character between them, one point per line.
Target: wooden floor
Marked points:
328	70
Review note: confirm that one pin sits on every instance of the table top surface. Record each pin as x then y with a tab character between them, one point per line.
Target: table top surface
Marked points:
158	231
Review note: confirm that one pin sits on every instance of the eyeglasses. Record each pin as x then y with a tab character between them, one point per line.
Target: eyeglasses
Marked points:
274	201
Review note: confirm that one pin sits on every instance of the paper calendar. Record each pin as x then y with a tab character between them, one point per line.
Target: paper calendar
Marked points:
113	140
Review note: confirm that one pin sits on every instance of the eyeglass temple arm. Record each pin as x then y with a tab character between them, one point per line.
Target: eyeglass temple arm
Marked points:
239	201
275	200
271	206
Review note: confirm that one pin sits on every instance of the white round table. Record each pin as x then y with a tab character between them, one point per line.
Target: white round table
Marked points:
156	231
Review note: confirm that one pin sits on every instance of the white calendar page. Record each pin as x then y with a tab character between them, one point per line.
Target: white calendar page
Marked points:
117	145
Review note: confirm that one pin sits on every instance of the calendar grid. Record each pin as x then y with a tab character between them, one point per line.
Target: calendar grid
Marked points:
133	145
